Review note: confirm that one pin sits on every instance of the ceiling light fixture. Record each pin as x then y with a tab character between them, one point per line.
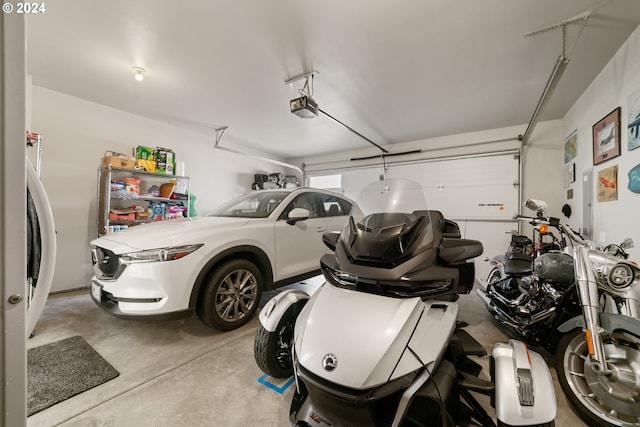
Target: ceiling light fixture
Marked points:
139	73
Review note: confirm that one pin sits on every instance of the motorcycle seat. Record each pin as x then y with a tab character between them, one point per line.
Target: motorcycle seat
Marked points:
447	237
440	224
458	250
519	257
518	267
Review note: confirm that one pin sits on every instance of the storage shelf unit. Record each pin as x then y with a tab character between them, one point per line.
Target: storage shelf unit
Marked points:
108	200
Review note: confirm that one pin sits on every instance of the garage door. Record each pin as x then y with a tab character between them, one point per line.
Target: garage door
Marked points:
480	193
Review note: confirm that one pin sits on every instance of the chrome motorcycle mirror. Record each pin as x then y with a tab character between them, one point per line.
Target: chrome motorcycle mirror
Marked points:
627	243
537	205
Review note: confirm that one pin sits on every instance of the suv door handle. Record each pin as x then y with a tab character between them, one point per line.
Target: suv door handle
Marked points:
321	229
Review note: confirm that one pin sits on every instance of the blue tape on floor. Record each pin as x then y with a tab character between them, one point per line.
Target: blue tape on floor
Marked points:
281	389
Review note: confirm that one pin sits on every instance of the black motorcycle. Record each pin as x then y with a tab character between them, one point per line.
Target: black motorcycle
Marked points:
531	290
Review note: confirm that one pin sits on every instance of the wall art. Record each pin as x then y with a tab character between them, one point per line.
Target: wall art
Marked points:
607	184
571	146
606	137
634	179
633	141
569	174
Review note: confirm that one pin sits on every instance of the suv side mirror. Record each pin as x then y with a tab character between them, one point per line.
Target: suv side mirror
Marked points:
297	214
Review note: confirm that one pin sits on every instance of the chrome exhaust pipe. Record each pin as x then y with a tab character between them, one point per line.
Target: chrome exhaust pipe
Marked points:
482	293
490	307
541	316
510	302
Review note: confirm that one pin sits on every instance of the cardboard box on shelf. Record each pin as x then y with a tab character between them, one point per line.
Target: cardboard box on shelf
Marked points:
144	153
143	215
117	160
165	159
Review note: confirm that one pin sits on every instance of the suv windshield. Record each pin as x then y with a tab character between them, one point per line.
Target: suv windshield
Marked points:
251	205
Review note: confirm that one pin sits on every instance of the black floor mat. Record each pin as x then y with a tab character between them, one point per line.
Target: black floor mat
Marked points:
60	370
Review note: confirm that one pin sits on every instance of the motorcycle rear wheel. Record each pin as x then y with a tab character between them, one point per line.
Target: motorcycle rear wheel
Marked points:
494	275
599	400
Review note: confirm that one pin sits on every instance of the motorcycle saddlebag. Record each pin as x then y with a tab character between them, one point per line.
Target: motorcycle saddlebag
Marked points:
524	388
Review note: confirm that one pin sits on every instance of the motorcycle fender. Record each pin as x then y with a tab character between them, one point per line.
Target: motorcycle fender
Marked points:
571	324
612	322
608	321
275	308
523	384
499	261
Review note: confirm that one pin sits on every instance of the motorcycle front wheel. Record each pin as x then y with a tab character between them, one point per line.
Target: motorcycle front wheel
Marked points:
273	350
600	400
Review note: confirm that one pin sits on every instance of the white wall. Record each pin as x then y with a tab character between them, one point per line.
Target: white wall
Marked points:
614	220
76	133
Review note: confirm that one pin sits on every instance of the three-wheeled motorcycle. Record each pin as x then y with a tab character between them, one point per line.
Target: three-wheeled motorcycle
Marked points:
380	344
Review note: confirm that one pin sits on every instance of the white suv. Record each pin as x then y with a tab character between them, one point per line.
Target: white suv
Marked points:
218	264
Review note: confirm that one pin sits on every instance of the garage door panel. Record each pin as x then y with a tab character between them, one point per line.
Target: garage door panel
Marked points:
478	171
481	187
481	203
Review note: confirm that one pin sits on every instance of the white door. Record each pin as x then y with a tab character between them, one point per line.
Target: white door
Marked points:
299	245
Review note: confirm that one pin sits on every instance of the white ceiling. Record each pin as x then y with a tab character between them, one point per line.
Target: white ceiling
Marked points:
395	71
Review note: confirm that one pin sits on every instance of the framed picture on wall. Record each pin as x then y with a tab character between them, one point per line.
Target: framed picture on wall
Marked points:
570	174
633	141
606	137
608	184
571	146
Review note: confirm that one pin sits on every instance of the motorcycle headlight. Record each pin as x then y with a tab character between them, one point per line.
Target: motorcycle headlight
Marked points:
620	276
161	254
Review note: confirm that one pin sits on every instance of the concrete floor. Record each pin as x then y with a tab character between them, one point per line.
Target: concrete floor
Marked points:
182	373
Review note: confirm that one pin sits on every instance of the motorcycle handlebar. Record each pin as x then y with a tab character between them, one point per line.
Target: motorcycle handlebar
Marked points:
536	220
575	237
555	222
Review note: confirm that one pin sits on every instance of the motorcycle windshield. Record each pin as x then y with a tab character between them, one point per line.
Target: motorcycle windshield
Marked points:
392	195
395	220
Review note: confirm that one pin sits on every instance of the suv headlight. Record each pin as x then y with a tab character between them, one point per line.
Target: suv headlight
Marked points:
161	254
